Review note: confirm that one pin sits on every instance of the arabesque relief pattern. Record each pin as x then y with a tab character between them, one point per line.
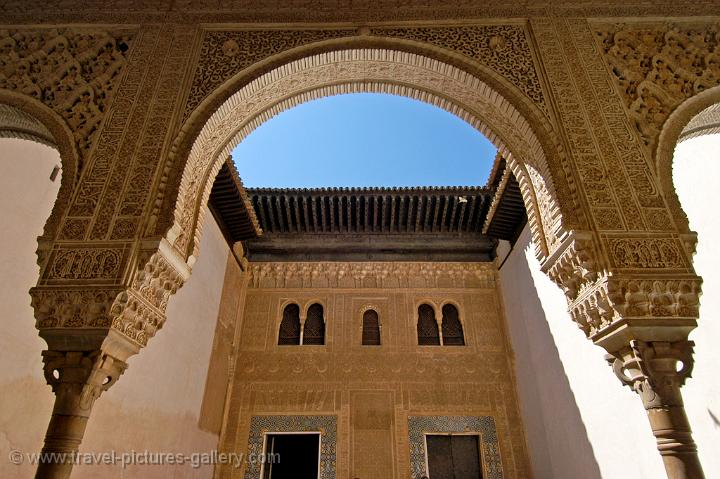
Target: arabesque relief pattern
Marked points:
224	54
657	67
73	71
502	48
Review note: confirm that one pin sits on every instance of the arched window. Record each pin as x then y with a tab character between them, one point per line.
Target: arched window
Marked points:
427	328
290	325
314	332
452	330
371	328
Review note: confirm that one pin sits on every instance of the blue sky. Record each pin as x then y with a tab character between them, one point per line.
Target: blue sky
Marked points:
364	139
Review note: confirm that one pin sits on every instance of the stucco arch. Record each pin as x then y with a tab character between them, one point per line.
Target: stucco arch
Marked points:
61	138
369	70
669	136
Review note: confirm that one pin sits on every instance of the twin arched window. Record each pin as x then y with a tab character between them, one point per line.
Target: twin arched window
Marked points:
427	327
313	332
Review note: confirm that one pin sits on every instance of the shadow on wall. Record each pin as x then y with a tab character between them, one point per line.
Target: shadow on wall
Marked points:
714	418
557	440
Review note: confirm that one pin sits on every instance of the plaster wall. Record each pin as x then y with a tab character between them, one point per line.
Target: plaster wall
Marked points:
579	421
696	171
156	405
26	199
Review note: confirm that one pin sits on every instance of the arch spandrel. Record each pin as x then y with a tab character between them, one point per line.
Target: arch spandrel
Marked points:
375	70
665	73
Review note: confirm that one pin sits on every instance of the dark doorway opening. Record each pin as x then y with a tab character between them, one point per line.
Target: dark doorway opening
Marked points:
296	456
454	457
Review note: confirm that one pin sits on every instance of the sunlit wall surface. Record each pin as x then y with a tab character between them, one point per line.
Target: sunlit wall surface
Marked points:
696	174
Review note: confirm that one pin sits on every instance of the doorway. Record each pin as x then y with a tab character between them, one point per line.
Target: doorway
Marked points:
297	456
453	456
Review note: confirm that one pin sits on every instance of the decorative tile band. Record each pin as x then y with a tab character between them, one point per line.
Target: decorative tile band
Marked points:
418	426
325	425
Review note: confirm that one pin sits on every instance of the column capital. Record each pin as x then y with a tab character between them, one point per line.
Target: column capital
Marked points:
78	378
654	370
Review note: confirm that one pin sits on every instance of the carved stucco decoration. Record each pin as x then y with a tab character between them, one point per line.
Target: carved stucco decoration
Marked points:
223	54
73	71
601	292
600	305
502	48
137	311
657	67
371	275
370	71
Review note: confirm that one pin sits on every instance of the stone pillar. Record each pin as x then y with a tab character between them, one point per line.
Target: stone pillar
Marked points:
656	371
642	319
77	378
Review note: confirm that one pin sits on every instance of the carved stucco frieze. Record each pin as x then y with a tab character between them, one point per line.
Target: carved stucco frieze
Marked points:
603	290
658	66
110	201
611	162
333	11
74	71
136	311
611	299
73	308
371	275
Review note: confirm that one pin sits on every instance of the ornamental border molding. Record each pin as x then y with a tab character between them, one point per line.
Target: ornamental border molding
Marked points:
319	275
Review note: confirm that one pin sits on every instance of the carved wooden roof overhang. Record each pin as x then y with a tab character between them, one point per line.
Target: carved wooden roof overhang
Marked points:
420	223
507	215
414	210
231	207
409	223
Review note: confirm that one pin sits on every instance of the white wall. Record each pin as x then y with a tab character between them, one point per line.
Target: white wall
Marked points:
155	406
696	174
580	422
26	199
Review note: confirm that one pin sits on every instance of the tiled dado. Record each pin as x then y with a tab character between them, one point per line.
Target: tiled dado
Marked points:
325	425
418	426
484	426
